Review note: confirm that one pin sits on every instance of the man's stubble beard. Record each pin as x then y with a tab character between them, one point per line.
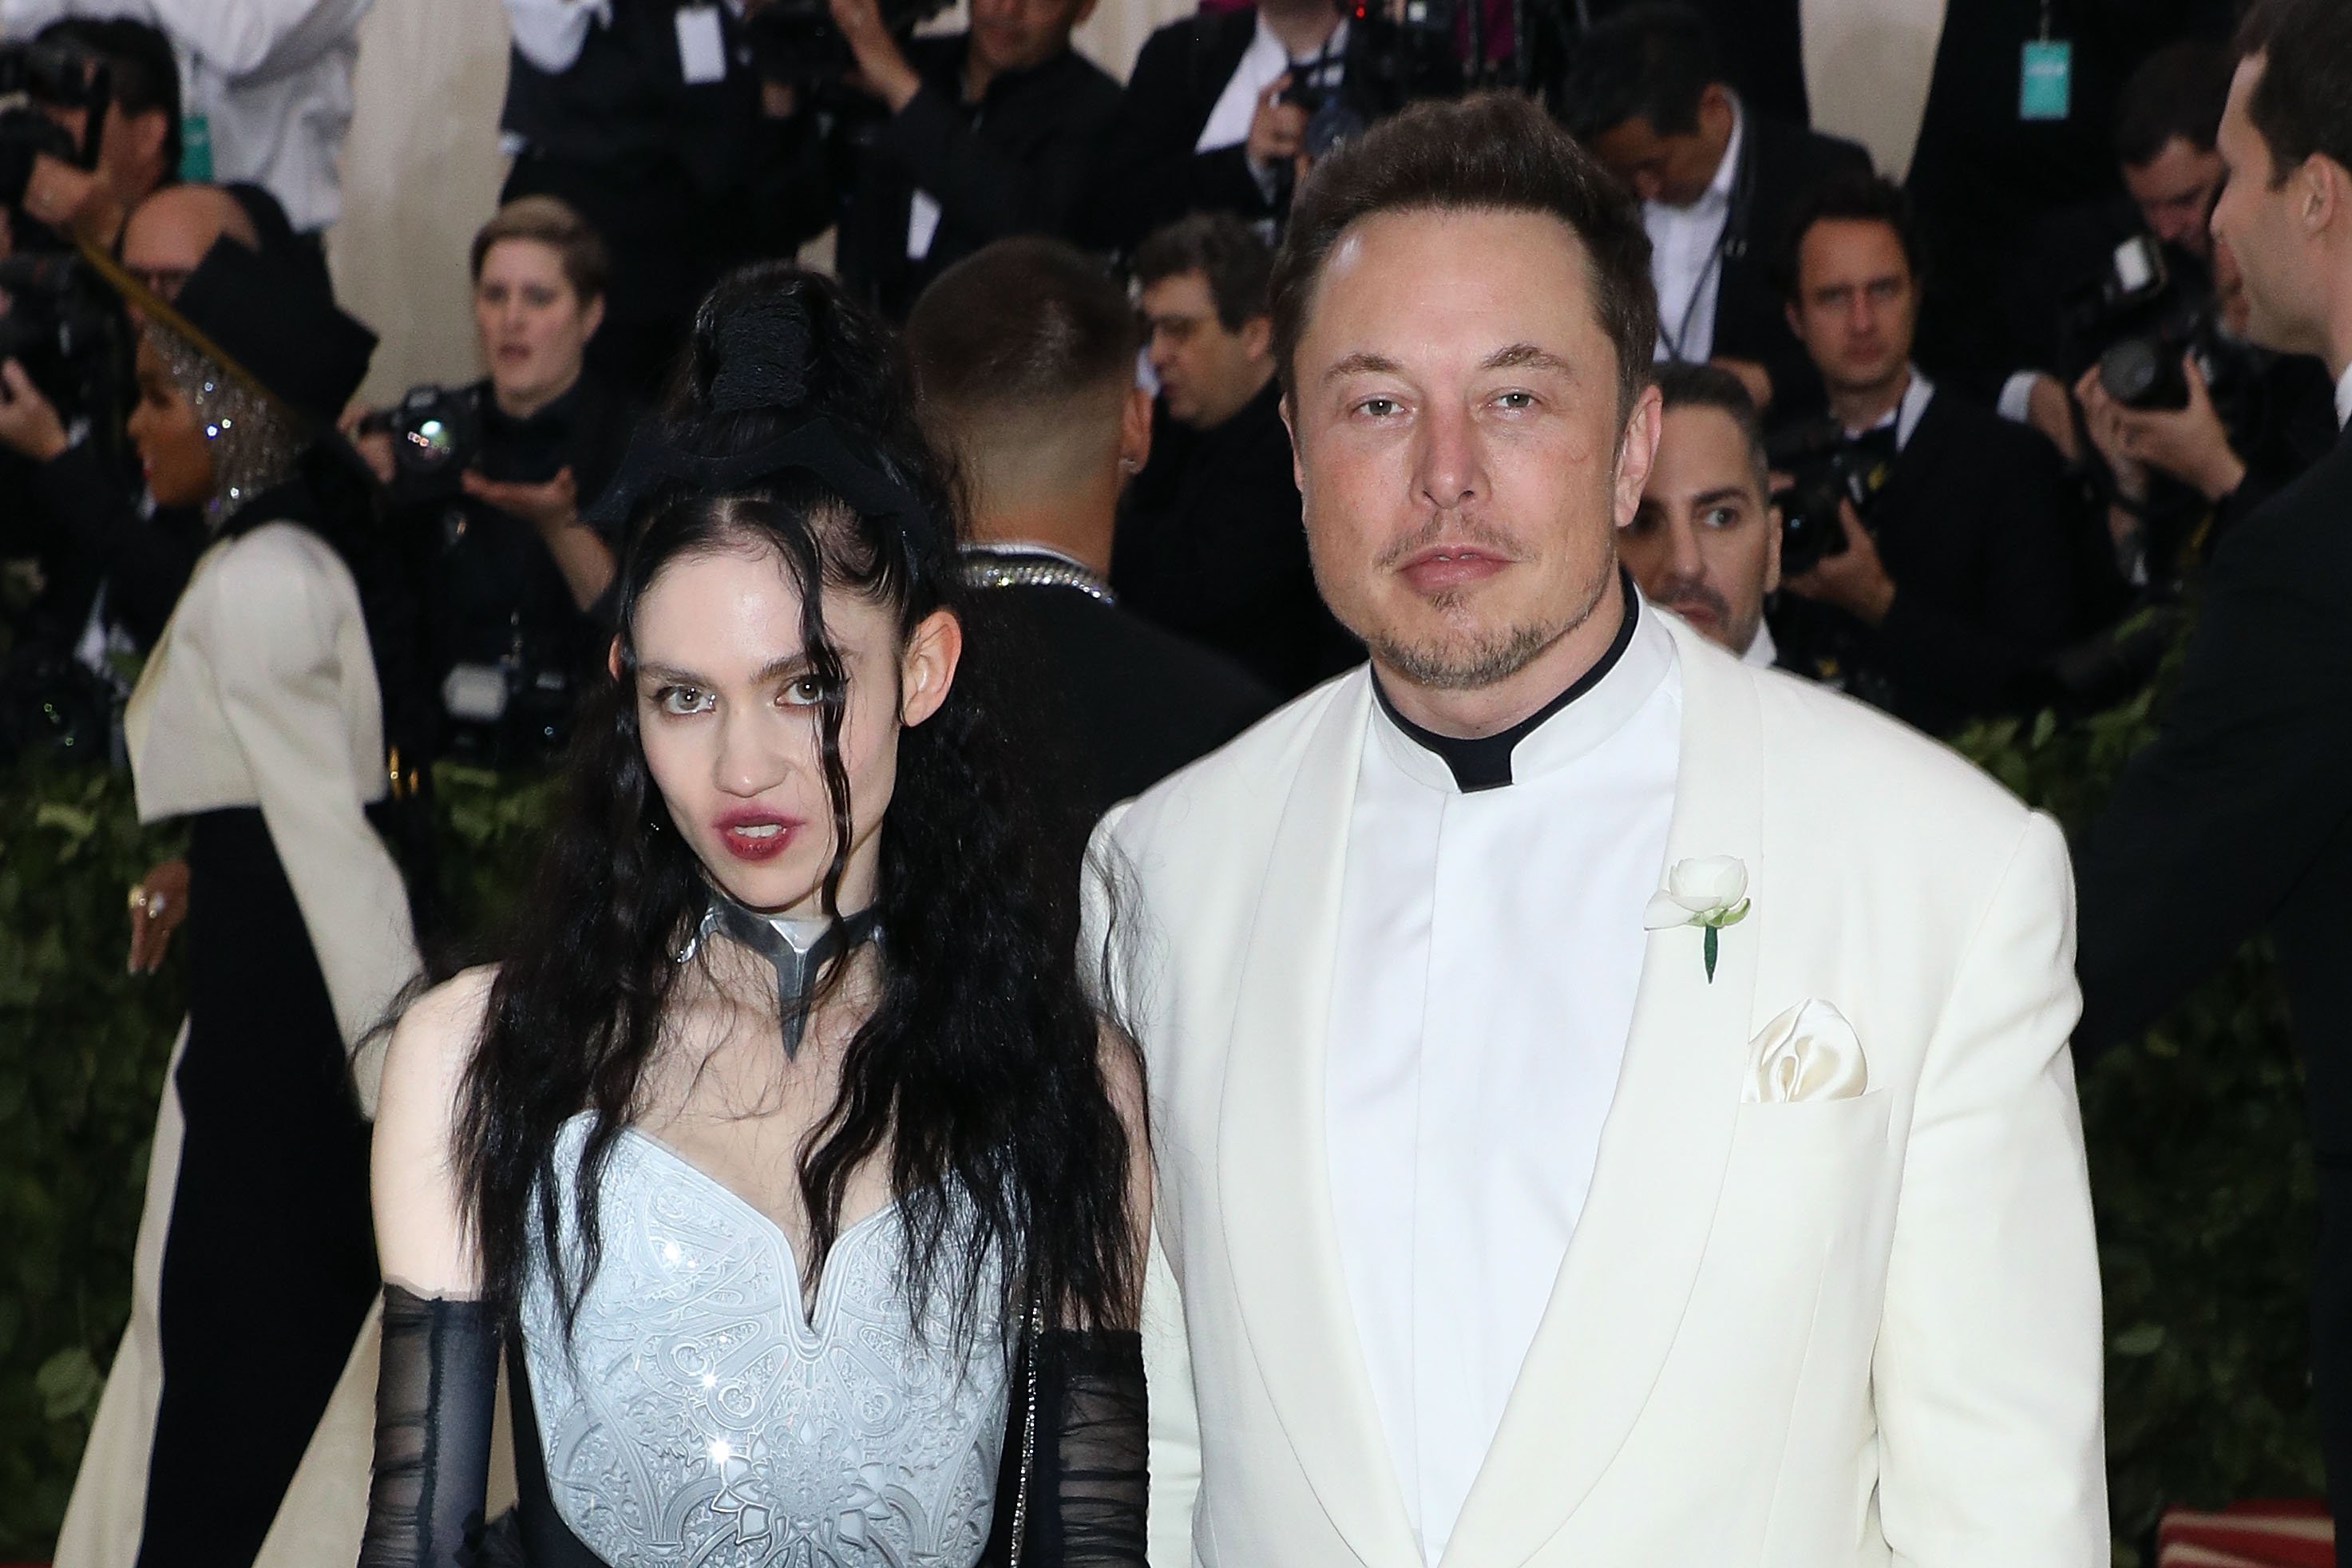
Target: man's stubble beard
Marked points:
1474	662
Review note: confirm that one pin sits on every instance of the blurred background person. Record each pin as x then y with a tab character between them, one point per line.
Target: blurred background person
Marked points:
136	148
647	117
514	582
266	85
1718	180
262	718
1956	575
1210	121
989	133
1024	354
1211	545
1706	541
2235	819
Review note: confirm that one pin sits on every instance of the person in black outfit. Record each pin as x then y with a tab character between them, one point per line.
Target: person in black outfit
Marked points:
1024	353
1958	577
2235	819
989	133
1718	179
1201	127
645	118
1210	540
514	580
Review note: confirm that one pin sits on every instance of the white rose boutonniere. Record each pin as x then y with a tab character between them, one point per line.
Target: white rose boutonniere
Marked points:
1710	893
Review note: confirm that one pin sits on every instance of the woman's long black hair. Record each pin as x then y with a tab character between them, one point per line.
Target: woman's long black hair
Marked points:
981	1066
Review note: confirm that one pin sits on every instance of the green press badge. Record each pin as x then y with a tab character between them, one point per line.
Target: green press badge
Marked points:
2045	87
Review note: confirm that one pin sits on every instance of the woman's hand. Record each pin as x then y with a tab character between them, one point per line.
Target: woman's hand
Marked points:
158	904
550	508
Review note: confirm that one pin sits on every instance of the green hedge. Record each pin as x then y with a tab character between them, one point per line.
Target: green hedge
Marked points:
2199	1161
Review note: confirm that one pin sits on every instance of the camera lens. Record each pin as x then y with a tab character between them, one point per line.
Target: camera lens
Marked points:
434	443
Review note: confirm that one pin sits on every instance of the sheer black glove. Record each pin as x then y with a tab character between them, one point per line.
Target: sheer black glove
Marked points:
1090	1479
434	1397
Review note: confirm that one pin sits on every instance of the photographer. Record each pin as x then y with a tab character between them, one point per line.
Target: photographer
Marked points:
513	579
113	89
645	118
2235	819
1706	541
270	82
1717	182
1210	543
987	133
1956	578
1210	121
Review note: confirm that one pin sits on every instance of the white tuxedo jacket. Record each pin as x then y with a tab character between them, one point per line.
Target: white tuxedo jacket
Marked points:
1859	1331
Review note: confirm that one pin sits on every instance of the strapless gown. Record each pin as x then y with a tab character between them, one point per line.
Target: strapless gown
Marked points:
695	1415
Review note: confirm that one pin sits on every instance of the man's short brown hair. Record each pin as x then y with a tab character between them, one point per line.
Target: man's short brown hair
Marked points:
1491	153
557	225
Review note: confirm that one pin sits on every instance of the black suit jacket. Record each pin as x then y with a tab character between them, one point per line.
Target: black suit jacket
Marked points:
1149	175
2239	814
1779	165
1977	527
1120	703
1015	163
1211	545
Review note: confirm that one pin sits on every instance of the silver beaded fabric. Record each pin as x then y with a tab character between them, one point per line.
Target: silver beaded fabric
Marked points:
700	1420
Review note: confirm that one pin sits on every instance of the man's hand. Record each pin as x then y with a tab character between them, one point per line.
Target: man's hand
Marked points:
158	904
550	508
1277	131
1752	375
882	67
2190	444
57	191
29	422
374	447
2049	410
1855	580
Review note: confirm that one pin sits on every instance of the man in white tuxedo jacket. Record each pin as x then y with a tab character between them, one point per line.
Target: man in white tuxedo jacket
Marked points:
1612	1106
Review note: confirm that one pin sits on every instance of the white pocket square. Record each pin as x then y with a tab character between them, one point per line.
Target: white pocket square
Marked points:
1809	1052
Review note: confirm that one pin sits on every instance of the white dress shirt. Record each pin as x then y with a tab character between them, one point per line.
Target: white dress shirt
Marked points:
1905	415
1264	60
1685	257
1762	652
271	78
1489	945
2343	400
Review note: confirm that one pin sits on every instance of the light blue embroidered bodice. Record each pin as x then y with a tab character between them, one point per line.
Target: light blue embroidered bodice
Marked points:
700	1420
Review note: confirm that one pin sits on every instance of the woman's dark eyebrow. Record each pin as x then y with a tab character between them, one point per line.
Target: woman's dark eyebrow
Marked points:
775	669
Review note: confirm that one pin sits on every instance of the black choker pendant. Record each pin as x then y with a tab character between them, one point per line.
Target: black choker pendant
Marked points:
797	954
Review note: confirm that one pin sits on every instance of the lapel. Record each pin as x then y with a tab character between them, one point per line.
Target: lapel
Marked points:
1273	1169
1635	1253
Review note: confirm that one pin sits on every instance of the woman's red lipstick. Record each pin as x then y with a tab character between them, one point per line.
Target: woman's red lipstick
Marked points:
753	835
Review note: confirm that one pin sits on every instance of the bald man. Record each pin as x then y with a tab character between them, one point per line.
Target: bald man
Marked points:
169	233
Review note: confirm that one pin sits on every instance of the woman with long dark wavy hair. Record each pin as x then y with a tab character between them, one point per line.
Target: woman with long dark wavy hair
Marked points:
785	1151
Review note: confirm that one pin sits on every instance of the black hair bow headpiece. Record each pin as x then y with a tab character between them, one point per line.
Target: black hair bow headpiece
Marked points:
814	446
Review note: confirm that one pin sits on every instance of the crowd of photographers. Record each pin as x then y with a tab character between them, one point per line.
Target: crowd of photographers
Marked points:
1945	538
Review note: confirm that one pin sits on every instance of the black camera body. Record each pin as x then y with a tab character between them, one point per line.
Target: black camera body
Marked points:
2143	319
57	76
795	42
67	327
437	436
1823	472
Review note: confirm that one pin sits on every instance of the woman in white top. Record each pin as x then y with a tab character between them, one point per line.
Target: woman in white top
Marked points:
259	721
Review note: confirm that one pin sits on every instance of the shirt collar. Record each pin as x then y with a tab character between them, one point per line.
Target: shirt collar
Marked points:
2343	400
1904	416
1563	731
1727	171
1265	46
1763	653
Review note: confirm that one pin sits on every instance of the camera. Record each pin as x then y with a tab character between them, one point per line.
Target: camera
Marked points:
38	77
437	436
794	43
67	327
1824	469
2143	317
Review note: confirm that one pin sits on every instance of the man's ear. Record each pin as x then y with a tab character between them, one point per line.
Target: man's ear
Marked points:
2326	196
612	659
928	666
1637	451
591	316
1135	431
1258	336
1772	551
1290	425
